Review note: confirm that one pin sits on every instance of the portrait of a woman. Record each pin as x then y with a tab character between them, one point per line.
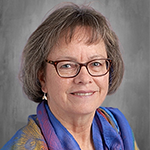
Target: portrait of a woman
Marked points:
70	63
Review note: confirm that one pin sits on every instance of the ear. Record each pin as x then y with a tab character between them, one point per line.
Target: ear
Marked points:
42	79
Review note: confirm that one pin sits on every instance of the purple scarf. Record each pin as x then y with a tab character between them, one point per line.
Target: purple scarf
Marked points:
116	135
110	131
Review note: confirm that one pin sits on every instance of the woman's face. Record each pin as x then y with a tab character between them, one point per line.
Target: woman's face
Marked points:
82	94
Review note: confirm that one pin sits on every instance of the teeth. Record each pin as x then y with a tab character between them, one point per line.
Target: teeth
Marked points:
83	94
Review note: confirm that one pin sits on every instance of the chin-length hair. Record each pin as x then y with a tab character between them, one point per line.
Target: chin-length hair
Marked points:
62	23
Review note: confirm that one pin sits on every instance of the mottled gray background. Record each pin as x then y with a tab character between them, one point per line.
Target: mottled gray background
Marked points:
130	21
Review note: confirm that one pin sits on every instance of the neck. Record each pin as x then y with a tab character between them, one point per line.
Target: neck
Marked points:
82	132
83	136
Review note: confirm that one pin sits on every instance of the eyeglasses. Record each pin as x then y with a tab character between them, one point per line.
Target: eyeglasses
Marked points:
70	69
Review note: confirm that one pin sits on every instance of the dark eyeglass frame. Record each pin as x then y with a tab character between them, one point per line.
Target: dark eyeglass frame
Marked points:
81	65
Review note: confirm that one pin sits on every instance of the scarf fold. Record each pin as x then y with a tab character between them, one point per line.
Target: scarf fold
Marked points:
65	138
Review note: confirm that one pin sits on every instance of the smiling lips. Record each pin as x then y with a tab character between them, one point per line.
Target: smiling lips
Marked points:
83	93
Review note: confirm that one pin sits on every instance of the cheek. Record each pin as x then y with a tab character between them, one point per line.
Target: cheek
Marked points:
103	84
106	82
52	84
56	86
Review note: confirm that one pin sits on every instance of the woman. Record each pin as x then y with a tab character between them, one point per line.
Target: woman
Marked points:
73	59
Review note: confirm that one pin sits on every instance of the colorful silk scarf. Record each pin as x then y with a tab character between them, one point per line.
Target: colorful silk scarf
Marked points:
110	131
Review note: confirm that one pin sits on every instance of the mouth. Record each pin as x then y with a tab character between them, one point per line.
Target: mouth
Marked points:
83	93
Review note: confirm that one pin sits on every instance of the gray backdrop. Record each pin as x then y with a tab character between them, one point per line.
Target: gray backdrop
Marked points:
130	21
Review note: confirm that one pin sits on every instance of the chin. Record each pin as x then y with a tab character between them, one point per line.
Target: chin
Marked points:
86	110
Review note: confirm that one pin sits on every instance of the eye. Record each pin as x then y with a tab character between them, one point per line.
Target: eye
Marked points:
96	64
67	65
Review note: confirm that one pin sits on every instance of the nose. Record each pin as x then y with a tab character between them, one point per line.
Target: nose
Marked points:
83	77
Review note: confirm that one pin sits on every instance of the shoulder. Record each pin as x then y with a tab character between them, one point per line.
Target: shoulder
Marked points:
114	113
28	137
118	121
117	117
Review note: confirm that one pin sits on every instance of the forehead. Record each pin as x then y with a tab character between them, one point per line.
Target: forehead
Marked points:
79	34
77	44
78	51
85	34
